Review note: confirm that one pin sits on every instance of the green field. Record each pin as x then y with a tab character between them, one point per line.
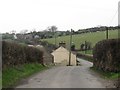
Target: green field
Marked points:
81	38
87	52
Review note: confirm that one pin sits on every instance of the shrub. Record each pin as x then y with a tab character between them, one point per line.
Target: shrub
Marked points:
14	54
106	55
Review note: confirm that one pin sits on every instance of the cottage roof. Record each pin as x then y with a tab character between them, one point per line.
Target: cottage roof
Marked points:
62	49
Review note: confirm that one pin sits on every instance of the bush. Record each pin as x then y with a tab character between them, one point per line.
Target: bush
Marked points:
14	54
106	55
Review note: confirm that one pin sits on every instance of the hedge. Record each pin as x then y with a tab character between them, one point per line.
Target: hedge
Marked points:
106	55
15	54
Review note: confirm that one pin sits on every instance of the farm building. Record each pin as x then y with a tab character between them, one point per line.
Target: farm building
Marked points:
61	56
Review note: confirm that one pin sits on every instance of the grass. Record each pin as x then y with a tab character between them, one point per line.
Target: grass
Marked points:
81	38
107	75
11	76
87	52
0	80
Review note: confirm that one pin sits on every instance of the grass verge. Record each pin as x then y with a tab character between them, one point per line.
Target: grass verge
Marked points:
87	52
106	75
11	76
0	83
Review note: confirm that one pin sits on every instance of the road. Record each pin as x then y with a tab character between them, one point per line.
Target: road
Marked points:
65	77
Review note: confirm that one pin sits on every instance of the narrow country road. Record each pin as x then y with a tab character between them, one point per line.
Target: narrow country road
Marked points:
65	77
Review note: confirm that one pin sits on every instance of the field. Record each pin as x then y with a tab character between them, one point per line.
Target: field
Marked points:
81	38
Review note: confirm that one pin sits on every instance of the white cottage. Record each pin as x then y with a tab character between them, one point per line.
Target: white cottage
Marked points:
61	56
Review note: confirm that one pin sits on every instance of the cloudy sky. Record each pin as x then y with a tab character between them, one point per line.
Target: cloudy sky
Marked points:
65	14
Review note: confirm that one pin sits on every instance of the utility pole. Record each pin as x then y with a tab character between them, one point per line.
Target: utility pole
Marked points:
85	47
106	32
55	37
70	48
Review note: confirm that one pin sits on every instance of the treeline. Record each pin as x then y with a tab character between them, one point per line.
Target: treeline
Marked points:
95	29
53	32
14	54
50	34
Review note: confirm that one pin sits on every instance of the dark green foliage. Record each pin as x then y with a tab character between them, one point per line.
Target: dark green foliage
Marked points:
7	36
85	46
49	47
73	47
82	47
106	55
14	54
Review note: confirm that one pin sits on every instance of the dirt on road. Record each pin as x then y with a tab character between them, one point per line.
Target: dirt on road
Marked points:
66	77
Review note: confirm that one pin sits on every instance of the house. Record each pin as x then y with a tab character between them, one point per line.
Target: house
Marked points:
61	56
28	36
36	36
24	36
20	36
15	37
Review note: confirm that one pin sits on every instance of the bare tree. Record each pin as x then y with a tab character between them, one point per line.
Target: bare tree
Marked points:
53	29
13	32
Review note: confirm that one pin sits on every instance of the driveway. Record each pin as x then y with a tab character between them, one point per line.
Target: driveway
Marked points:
66	77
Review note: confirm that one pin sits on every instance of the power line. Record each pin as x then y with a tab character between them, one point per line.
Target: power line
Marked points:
107	33
113	17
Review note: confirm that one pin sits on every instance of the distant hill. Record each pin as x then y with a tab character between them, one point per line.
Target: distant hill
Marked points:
78	39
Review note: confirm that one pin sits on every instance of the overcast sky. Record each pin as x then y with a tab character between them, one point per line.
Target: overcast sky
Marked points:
65	14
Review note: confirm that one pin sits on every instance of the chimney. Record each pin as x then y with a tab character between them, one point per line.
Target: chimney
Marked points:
63	44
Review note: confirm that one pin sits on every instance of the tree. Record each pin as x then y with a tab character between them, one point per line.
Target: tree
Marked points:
67	32
53	29
73	47
82	46
13	31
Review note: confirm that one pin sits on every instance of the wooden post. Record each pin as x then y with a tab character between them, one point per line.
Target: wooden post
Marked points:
85	47
55	37
106	32
70	48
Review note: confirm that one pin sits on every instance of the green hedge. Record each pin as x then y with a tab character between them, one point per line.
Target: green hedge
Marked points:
15	54
106	55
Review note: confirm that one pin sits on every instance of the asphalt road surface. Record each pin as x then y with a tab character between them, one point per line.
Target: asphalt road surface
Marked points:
65	77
